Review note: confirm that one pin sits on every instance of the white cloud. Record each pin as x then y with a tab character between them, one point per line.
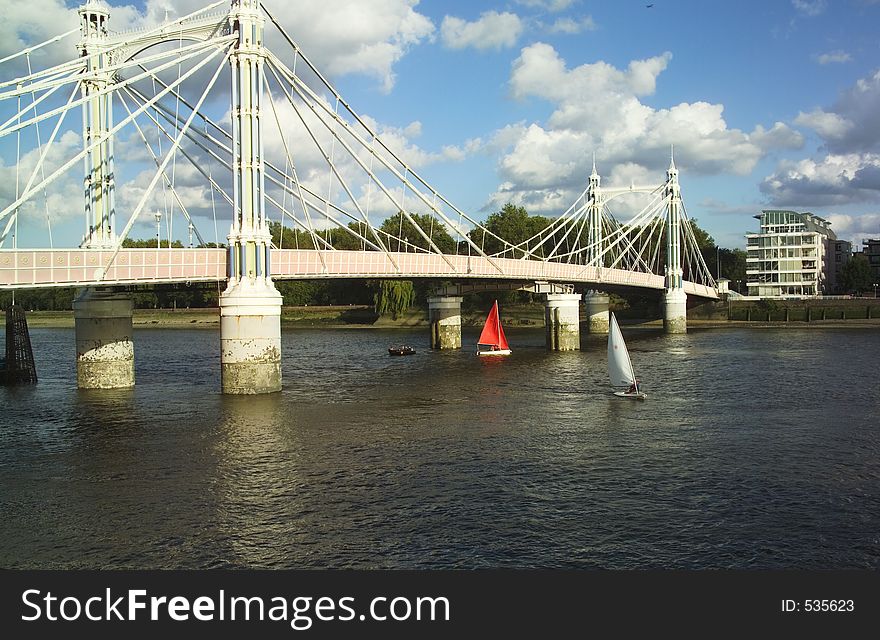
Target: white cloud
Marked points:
780	136
25	24
547	5
570	26
835	179
855	228
493	30
352	36
64	194
849	170
833	57
859	105
598	108
809	7
343	37
828	125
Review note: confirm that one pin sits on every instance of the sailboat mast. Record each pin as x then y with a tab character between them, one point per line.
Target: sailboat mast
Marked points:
632	373
497	326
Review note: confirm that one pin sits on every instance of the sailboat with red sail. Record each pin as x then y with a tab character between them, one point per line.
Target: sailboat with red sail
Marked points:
492	340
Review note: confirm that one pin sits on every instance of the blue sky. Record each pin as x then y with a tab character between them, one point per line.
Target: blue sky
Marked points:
768	104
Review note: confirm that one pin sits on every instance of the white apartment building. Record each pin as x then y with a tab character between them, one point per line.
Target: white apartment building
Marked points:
789	256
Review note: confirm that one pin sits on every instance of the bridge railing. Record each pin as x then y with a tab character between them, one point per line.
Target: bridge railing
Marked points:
301	264
88	267
84	267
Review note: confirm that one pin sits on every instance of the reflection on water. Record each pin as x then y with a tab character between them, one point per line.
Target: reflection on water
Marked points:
754	449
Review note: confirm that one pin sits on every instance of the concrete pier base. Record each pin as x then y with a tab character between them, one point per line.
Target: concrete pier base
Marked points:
104	348
250	338
562	321
444	314
596	305
675	311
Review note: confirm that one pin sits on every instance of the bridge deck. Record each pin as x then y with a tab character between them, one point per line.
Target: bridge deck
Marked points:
89	267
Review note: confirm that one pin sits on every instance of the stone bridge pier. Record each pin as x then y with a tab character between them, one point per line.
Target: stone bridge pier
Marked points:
444	314
104	346
596	305
675	311
562	321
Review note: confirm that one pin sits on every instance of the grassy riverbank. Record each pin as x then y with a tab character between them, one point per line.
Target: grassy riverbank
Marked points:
314	316
339	317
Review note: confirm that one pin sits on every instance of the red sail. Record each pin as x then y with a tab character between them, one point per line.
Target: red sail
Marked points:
492	333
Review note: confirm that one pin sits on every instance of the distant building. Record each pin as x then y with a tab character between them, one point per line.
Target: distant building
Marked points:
841	253
871	250
792	255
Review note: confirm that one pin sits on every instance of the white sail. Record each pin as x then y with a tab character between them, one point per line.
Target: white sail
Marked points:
620	369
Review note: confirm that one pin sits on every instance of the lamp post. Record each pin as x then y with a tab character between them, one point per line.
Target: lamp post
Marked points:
158	216
718	260
190	227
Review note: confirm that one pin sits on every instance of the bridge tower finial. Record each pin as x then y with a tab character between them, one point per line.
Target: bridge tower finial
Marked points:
672	172
594	212
594	177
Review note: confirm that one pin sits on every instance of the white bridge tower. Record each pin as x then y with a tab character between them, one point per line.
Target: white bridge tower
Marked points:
102	316
675	299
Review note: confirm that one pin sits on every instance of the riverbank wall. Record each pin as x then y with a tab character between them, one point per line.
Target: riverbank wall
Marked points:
802	311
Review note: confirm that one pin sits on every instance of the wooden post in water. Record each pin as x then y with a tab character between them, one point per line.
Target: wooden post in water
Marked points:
19	366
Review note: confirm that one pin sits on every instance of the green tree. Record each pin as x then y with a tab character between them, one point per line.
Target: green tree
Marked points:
513	224
733	267
393	297
149	243
401	229
856	275
344	239
48	299
706	245
287	238
347	239
298	293
705	242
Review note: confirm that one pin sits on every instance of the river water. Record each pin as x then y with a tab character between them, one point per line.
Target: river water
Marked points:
755	449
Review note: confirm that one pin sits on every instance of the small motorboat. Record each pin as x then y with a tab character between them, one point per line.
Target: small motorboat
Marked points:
402	350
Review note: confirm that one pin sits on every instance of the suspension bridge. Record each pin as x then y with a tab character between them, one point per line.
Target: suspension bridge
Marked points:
274	143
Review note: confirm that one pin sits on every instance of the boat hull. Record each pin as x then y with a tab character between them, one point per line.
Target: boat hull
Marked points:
638	395
499	352
401	351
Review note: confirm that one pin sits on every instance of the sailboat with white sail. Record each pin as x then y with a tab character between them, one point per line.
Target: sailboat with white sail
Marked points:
620	369
492	341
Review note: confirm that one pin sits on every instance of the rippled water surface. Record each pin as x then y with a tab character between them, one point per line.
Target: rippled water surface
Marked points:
755	449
